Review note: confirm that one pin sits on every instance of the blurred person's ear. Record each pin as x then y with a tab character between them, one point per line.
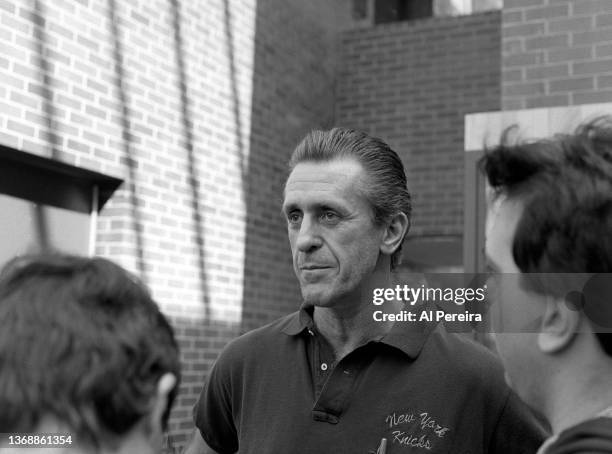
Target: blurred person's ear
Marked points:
165	385
156	423
559	326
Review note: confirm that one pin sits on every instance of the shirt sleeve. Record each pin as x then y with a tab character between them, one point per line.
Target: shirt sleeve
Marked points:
517	431
213	412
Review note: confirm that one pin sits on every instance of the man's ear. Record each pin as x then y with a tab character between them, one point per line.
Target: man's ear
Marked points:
394	233
559	326
165	385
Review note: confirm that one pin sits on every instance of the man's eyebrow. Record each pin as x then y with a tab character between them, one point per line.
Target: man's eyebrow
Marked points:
318	206
287	208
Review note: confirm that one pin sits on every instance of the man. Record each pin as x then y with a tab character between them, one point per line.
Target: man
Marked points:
330	379
88	364
549	222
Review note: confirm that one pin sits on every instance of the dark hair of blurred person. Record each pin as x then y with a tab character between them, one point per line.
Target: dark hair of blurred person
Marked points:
84	351
549	239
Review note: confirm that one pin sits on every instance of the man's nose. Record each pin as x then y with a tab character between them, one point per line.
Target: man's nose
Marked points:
309	236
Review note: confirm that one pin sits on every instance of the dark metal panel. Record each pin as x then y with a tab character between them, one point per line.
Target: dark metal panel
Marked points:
50	182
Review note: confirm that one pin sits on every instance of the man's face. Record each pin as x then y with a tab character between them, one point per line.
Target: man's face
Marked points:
334	241
515	312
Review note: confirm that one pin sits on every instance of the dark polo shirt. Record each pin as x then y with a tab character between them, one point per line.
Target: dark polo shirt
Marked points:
277	390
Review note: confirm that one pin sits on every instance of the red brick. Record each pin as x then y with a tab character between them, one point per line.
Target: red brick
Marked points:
509	4
7	6
533	88
587	56
591	6
524	29
546	42
511	16
570	54
572	84
513	46
61	30
604	81
16	24
603	50
572	24
547	12
592	67
603	20
32	16
20	127
512	75
523	60
11	110
9	81
10	140
592	37
547	72
547	101
594	97
24	99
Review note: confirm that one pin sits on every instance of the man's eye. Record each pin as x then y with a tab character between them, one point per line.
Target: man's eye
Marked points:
329	216
294	218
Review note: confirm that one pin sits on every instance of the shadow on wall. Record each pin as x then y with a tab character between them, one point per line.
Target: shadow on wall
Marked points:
49	111
187	122
128	148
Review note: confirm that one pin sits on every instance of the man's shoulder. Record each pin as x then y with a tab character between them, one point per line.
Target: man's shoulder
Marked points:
260	339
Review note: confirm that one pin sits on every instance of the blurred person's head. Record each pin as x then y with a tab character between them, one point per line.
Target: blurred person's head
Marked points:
348	209
84	351
549	222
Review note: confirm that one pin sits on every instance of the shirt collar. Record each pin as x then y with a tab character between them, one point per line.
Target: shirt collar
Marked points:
408	337
300	321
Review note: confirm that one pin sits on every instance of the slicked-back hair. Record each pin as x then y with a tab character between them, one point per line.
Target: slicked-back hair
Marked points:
565	187
386	189
82	342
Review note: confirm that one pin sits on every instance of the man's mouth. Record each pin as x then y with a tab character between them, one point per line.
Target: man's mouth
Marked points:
314	267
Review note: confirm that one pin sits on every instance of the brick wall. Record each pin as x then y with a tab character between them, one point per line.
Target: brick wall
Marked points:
197	109
556	53
411	83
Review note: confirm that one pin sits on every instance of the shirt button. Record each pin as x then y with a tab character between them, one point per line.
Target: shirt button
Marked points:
324	366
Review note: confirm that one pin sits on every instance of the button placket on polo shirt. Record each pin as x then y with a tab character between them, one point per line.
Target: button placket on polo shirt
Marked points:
338	389
322	361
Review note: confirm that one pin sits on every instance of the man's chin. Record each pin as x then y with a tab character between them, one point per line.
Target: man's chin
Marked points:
315	300
312	297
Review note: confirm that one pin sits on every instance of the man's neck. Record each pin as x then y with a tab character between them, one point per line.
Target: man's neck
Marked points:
577	400
345	330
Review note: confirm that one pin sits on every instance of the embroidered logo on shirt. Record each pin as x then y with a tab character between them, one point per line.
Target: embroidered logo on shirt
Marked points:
414	429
